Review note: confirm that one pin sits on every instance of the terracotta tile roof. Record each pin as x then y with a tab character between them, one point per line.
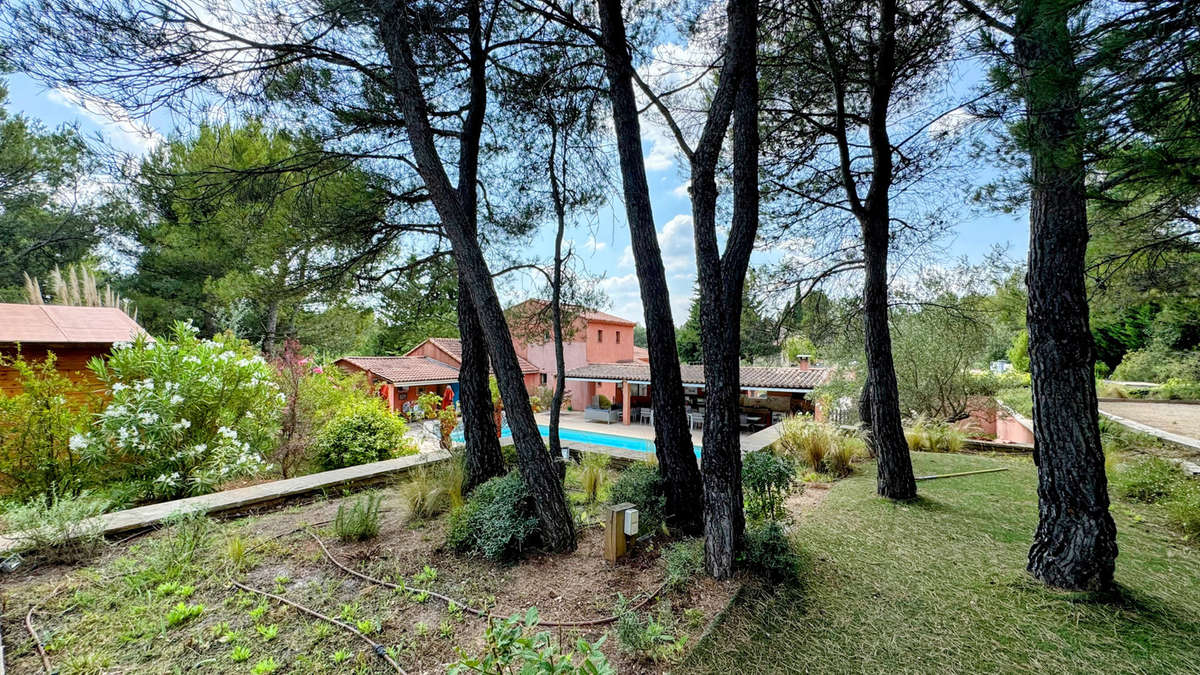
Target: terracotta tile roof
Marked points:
60	324
453	347
606	317
752	377
641	354
588	314
404	370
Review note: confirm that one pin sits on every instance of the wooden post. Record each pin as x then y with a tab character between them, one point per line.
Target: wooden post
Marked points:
614	532
625	401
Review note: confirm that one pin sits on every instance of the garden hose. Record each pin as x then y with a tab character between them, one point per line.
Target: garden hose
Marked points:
375	646
478	612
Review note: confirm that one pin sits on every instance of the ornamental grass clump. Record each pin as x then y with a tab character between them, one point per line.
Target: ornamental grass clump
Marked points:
184	414
360	521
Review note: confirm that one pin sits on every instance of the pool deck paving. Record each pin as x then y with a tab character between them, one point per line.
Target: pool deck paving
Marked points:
239	499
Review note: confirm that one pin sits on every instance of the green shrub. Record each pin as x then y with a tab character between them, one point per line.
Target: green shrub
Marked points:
314	394
685	561
185	414
1178	389
359	522
1147	479
42	444
1158	365
1018	354
768	552
497	522
542	398
1183	508
362	431
819	446
604	403
640	484
767	480
512	646
1020	399
647	637
62	529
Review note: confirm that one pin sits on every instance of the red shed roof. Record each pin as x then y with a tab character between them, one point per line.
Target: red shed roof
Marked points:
60	324
405	370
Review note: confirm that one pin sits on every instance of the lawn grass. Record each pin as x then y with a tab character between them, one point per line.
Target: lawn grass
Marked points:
939	586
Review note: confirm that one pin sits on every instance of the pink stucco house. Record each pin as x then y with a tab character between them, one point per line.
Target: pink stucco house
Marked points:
590	338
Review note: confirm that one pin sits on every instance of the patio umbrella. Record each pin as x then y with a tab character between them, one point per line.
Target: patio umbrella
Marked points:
447	397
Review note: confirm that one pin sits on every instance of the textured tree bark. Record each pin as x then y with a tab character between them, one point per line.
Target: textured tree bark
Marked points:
560	364
881	398
721	281
672	436
483	459
272	327
895	479
456	209
1075	545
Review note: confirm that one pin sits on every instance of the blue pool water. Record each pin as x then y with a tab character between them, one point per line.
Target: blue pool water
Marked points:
590	437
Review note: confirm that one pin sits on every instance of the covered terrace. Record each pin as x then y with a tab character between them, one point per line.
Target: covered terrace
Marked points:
768	393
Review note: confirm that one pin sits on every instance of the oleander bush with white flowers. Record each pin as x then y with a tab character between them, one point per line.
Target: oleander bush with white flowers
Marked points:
184	415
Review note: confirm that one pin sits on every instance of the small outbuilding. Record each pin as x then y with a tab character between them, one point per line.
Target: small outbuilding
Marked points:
400	379
73	334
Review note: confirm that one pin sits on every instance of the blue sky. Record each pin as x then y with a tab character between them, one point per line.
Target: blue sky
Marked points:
602	246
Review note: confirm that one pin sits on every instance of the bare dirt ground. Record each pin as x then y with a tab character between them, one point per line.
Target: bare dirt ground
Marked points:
105	615
1177	418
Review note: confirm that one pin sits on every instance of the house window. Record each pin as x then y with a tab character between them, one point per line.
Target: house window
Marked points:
600	336
618	337
543	379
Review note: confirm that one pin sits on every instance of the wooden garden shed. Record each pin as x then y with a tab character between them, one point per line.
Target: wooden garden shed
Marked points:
73	334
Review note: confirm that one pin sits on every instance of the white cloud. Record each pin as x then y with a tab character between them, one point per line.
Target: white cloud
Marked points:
676	242
951	123
110	117
594	245
626	261
626	296
681	190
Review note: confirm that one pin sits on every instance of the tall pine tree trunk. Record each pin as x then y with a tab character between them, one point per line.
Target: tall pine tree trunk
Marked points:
672	436
556	318
483	459
722	279
1075	544
456	208
895	478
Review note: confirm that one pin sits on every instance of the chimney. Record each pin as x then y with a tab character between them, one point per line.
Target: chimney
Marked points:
804	361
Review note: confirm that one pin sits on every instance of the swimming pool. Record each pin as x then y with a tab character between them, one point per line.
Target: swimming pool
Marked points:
589	437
